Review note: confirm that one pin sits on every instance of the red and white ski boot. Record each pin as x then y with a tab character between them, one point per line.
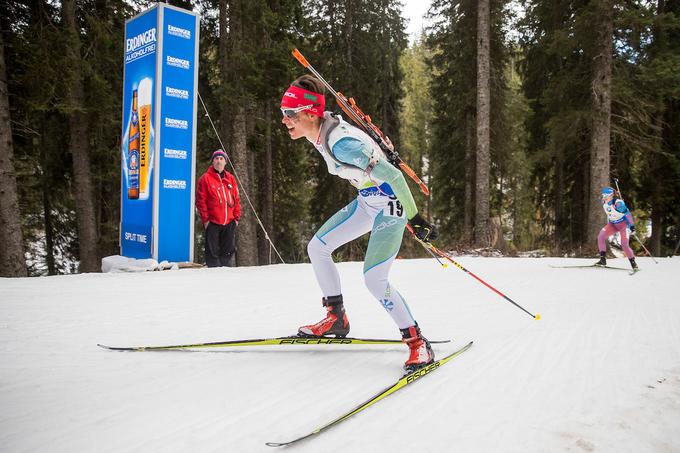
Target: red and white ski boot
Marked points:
421	353
335	322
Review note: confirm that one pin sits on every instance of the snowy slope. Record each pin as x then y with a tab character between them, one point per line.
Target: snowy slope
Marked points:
599	372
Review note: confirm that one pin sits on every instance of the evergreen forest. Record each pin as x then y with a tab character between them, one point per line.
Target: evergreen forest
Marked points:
515	114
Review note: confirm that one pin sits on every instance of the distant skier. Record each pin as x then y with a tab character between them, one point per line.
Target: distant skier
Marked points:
382	207
620	219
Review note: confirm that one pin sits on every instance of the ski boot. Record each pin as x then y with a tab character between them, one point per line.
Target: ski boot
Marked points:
633	264
421	353
603	259
335	322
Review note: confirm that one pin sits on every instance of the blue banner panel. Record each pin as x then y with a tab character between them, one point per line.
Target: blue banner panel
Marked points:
178	69
137	144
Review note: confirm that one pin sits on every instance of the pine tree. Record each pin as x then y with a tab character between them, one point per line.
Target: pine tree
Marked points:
483	113
12	259
456	190
600	146
78	140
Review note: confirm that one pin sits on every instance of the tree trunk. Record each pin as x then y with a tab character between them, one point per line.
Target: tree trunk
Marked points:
78	144
656	161
267	187
246	233
483	131
225	66
601	126
657	227
47	208
349	27
12	259
468	205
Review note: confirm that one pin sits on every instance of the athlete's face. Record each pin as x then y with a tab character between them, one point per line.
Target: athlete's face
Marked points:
301	124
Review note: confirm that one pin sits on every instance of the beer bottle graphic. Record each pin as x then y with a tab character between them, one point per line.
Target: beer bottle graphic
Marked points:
145	93
133	151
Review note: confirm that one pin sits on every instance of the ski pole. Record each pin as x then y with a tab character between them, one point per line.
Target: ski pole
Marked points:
645	248
432	249
362	120
616	181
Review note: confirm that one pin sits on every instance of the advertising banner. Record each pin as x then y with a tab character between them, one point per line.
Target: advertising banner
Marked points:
159	134
138	140
179	77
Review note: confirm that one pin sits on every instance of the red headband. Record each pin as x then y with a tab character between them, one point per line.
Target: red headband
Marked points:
298	97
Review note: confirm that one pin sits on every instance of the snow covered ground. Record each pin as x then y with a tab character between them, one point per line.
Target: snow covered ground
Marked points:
599	372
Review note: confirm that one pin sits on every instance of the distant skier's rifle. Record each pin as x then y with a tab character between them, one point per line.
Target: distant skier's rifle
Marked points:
350	107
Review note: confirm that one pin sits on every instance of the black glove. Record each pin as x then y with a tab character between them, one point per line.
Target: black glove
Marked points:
632	229
423	229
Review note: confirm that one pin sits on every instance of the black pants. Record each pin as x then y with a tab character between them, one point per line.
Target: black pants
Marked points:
220	244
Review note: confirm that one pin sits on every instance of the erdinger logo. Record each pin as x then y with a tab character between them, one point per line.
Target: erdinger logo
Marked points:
176	124
179	32
174	184
174	153
422	372
315	341
177	62
140	46
176	93
141	40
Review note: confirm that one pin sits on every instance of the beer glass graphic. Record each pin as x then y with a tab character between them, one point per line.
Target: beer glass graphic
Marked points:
133	151
145	93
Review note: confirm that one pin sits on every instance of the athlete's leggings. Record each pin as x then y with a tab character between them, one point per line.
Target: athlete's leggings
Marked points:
610	229
385	219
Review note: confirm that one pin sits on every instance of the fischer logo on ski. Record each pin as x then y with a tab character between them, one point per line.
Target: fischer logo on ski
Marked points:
280	341
422	372
316	341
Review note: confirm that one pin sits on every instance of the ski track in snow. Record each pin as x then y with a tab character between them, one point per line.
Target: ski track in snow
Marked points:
600	372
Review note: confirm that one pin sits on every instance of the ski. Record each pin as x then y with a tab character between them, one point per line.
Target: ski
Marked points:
401	383
279	341
596	266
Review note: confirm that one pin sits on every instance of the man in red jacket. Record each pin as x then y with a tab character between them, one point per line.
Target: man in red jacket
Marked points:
219	206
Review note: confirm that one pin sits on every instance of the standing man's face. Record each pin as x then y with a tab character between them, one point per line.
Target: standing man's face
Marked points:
219	163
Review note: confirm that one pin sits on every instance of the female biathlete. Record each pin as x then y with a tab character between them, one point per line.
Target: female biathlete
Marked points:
620	220
382	206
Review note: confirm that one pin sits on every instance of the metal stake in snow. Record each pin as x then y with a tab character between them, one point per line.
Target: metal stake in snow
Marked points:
435	251
616	181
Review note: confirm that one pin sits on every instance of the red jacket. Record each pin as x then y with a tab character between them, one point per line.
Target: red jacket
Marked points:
217	200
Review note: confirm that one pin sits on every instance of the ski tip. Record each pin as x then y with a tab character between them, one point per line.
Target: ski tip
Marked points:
114	348
276	444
